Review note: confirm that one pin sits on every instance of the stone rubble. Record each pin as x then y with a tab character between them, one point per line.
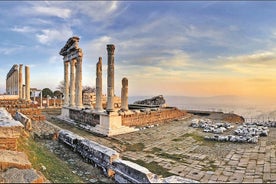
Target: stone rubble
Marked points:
246	133
211	127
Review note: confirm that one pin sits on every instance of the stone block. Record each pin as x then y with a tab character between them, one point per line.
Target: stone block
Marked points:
14	159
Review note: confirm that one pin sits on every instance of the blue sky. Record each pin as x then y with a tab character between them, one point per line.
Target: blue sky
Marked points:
200	48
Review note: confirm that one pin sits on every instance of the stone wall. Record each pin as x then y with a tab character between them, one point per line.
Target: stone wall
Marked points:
84	117
152	117
25	107
10	130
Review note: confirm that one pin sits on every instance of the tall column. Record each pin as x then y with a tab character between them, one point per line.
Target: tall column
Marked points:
48	99
66	83
99	89
20	81
23	91
79	83
124	94
27	82
110	78
72	82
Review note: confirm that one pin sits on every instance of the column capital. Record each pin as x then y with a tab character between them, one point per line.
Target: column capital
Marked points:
110	48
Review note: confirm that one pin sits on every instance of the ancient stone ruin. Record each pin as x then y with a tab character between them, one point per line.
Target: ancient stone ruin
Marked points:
113	118
14	166
109	161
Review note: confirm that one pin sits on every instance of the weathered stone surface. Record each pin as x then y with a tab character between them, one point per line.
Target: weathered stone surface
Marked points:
10	159
157	100
15	175
27	122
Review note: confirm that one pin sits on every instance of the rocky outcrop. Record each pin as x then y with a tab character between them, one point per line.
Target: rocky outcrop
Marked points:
157	100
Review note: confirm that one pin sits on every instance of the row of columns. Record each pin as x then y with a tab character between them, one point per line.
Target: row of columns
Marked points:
73	85
14	82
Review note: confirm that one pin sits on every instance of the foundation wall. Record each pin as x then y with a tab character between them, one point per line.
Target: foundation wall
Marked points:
152	117
84	117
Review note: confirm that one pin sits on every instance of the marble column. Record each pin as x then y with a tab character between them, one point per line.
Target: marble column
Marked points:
48	99
23	91
66	83
27	82
72	82
99	89
110	78
20	81
79	83
124	95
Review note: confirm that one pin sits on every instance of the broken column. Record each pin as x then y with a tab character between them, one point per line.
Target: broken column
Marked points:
66	83
27	82
20	81
124	95
99	105
110	78
72	82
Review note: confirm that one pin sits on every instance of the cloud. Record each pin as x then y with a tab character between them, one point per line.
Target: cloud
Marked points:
8	50
55	59
48	36
49	11
97	10
24	29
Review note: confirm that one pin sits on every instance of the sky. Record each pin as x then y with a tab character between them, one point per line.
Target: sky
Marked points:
182	48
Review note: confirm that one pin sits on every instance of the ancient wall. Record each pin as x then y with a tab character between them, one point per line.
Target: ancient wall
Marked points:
27	108
10	130
85	117
152	117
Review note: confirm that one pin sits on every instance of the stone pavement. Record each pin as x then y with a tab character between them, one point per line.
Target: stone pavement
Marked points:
182	150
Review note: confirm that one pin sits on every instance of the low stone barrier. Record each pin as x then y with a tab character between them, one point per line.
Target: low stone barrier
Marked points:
10	130
108	159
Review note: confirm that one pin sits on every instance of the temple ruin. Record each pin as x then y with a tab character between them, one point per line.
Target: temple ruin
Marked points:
107	117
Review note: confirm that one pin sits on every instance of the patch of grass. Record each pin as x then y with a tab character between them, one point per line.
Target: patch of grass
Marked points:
152	166
177	139
135	147
200	139
211	166
56	170
155	149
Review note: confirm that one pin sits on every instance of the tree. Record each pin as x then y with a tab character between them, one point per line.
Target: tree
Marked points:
60	86
88	89
58	94
46	92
